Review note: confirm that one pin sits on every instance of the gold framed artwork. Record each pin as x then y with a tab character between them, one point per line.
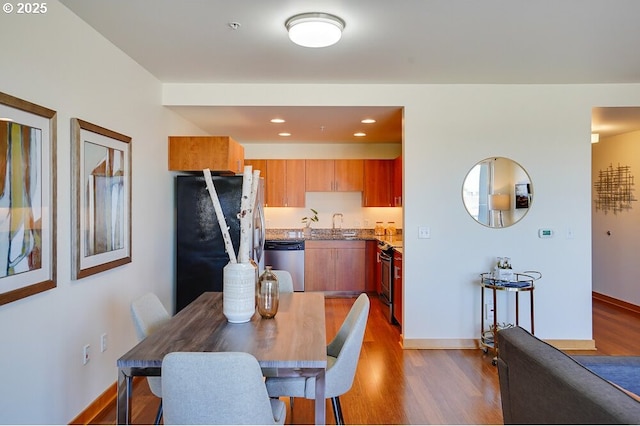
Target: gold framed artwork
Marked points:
27	198
101	199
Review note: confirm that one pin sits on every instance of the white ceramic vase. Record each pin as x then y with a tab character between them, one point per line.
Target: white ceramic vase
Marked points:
239	291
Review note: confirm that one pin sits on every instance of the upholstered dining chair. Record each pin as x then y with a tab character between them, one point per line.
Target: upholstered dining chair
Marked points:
148	314
285	281
217	388
343	353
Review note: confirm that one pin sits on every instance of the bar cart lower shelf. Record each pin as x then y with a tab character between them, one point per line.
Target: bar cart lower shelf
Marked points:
520	282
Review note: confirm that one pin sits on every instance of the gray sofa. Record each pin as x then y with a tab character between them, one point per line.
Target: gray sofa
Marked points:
539	384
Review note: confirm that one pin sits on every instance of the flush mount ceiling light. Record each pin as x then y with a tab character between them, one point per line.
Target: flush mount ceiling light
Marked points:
314	29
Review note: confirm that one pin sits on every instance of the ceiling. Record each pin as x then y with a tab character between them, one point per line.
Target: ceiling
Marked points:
408	41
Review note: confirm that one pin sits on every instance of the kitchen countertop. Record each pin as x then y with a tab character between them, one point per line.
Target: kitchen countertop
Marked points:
330	234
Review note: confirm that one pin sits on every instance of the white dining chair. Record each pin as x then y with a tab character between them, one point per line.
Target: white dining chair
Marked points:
343	353
148	314
217	388
285	281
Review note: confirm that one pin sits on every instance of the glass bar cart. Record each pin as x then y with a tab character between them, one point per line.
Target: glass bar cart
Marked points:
520	282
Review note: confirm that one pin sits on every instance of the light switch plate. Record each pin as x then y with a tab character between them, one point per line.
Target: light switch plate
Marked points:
424	232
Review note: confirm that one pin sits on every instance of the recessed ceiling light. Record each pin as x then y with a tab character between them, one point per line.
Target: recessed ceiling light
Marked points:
277	120
284	134
368	121
314	29
360	134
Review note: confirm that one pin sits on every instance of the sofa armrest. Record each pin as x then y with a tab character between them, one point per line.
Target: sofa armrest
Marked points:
542	385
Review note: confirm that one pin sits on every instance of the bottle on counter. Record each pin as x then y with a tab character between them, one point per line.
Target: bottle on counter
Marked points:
267	294
391	229
379	229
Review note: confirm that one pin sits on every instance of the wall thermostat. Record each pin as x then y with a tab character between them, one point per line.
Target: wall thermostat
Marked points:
545	233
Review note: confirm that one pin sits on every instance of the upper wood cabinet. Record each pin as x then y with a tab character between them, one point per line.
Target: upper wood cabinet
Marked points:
220	154
378	187
397	182
258	165
284	181
334	175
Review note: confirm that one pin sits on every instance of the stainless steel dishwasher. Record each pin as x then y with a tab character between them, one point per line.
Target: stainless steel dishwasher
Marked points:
287	255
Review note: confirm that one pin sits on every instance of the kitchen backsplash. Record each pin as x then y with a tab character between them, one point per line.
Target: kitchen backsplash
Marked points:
349	204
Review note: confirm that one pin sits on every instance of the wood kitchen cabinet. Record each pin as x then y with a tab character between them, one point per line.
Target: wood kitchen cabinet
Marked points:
378	183
334	175
258	165
397	182
284	181
372	264
220	154
397	287
334	266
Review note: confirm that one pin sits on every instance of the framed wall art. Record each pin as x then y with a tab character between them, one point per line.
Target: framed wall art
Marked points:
101	199
523	195
27	198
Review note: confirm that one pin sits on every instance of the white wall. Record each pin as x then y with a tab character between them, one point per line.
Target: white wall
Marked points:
615	256
57	61
447	129
321	151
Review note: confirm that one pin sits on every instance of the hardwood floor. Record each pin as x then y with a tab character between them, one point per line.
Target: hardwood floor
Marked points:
395	386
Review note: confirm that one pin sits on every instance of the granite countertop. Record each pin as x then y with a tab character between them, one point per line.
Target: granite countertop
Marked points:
331	234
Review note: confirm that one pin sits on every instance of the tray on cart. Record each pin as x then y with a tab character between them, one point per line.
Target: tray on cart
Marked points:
522	279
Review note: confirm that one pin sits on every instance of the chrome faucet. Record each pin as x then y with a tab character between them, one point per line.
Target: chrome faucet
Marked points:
333	220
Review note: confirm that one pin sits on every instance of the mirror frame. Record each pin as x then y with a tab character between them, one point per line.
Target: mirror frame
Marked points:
500	187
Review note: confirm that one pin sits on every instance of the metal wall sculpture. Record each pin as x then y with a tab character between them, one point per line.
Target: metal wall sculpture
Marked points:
614	189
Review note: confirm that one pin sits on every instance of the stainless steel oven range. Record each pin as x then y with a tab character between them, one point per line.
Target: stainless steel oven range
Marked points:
386	277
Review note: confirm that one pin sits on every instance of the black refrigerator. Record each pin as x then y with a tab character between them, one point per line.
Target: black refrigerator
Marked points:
200	249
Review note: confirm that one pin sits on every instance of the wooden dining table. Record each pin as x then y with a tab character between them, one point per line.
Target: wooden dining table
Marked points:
292	344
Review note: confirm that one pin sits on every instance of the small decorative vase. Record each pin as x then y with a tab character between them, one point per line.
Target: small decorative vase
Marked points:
307	231
238	291
267	294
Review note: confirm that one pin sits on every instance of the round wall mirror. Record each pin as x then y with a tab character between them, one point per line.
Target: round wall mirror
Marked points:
497	192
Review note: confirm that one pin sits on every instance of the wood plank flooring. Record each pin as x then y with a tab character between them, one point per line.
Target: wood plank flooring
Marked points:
395	386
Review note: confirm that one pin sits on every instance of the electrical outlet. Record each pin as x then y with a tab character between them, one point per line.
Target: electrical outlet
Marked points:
85	354
488	311
103	342
424	232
